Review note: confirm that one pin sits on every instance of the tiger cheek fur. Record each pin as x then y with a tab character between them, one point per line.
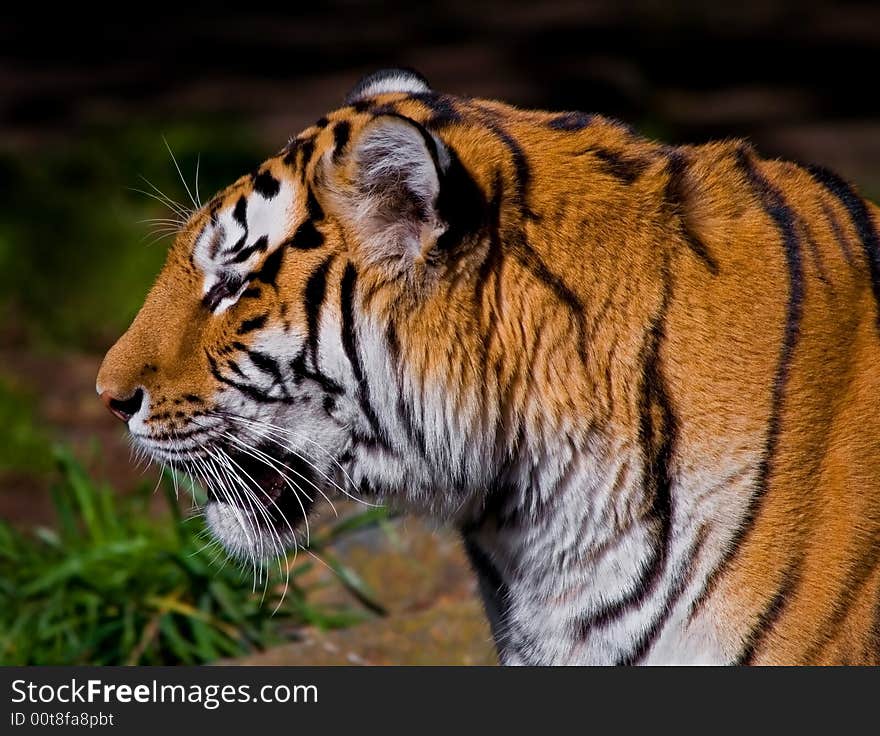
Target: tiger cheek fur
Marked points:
641	380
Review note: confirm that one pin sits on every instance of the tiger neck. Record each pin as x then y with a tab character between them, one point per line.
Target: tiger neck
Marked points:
582	552
554	381
575	568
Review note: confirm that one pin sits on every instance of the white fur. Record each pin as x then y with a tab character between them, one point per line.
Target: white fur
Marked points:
264	217
401	82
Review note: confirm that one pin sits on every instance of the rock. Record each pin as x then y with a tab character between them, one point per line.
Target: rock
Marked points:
407	564
449	633
420	576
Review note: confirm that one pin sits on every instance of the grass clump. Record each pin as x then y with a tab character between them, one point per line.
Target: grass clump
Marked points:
115	585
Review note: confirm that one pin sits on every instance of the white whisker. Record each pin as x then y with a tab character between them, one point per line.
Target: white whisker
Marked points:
298	435
198	162
176	166
277	544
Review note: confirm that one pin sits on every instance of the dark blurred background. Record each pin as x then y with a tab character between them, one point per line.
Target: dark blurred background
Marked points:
85	101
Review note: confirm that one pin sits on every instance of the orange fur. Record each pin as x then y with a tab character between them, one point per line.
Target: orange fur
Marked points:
547	327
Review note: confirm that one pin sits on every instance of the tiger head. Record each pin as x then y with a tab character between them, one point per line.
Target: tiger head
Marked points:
275	359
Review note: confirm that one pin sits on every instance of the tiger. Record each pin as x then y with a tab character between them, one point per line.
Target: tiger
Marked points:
640	380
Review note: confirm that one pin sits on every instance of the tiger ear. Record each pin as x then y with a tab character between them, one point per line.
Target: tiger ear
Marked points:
393	172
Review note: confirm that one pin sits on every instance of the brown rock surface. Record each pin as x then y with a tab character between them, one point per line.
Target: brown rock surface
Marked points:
449	633
422	578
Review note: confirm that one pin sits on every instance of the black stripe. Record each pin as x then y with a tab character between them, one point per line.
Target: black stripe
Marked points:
861	219
346	300
214	208
857	577
258	246
290	151
769	616
301	155
249	325
571	121
239	213
624	168
491	265
250	391
300	371
839	235
657	435
676	195
341	134
528	257
784	218
313	208
217	237
815	255
494	253
682	579
234	367
268	365
523	173
387	108
306	237
442	107
237	245
268	272
521	249
313	299
493	591
266	185
349	345
404	410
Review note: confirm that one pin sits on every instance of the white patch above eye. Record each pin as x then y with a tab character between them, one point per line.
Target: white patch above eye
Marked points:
270	217
240	236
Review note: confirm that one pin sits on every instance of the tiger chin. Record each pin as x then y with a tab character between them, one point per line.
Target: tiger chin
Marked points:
642	381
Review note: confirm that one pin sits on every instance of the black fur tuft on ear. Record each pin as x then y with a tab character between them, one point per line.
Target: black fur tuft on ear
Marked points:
386	81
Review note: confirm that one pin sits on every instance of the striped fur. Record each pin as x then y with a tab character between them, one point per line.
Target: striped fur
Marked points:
641	380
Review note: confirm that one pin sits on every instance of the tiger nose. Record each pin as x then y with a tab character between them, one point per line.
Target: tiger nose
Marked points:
125	409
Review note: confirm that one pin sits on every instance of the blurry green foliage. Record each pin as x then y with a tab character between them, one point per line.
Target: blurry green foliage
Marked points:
23	443
113	584
75	262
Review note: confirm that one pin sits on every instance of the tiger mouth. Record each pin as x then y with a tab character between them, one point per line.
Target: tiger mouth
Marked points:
274	490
